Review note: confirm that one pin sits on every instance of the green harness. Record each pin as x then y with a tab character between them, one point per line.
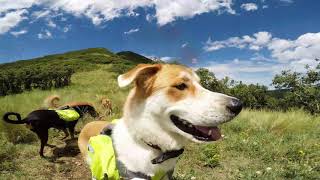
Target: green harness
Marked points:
102	160
68	114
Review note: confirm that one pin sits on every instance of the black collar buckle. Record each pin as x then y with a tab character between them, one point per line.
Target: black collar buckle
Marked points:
164	155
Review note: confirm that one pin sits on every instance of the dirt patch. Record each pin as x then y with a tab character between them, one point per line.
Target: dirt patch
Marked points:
66	161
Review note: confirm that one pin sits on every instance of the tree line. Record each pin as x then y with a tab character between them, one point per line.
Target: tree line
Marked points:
292	90
13	81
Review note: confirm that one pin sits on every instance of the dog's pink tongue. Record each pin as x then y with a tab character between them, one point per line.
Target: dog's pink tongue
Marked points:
214	134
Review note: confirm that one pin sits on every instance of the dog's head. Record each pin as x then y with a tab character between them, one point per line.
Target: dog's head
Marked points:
168	102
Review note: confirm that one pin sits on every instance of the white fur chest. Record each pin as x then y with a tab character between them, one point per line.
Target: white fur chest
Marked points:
137	156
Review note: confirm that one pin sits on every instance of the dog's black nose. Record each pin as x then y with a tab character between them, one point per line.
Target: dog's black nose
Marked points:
235	106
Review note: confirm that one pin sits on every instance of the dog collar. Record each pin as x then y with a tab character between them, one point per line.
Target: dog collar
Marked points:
164	155
159	159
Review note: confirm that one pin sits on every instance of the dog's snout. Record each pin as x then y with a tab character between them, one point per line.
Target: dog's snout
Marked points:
235	106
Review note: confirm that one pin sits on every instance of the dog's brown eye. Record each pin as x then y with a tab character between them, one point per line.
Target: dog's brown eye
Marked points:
181	86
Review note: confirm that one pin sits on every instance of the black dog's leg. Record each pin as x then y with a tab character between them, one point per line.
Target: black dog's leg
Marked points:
71	126
66	133
71	130
43	136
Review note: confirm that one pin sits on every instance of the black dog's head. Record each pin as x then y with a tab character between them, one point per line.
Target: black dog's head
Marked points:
92	112
86	108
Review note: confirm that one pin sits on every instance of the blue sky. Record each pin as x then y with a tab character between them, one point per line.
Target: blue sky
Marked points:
248	40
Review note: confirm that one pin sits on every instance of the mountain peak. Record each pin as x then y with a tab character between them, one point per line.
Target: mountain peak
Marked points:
134	57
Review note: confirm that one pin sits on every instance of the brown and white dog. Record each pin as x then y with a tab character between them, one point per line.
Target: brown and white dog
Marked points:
167	108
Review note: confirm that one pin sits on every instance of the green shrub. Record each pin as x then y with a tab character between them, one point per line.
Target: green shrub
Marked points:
7	152
18	134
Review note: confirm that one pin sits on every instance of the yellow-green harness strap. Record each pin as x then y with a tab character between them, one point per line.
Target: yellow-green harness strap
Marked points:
68	114
159	175
102	158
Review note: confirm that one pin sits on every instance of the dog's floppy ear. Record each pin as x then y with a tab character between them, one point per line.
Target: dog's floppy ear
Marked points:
140	71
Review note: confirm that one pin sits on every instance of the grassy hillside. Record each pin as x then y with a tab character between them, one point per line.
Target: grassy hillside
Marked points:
81	60
78	60
257	144
85	59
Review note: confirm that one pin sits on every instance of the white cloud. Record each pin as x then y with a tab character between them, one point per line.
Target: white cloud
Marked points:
282	54
40	14
260	58
18	33
306	46
255	42
66	29
167	58
245	70
99	11
184	45
149	17
11	19
194	61
52	24
45	35
168	11
164	58
131	31
8	5
249	6
286	1
63	19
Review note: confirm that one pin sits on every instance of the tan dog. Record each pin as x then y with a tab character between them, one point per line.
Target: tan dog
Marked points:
51	102
166	109
107	105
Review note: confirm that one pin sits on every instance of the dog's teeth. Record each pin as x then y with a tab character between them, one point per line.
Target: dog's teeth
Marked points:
184	122
210	132
190	126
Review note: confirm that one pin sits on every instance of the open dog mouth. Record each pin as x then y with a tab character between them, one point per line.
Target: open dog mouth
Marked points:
201	133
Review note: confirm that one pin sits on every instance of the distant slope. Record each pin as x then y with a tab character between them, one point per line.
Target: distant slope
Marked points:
134	57
85	59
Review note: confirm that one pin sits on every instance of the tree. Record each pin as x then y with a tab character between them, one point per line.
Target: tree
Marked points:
252	96
303	88
209	81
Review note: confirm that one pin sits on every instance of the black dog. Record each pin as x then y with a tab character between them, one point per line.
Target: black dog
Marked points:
39	121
